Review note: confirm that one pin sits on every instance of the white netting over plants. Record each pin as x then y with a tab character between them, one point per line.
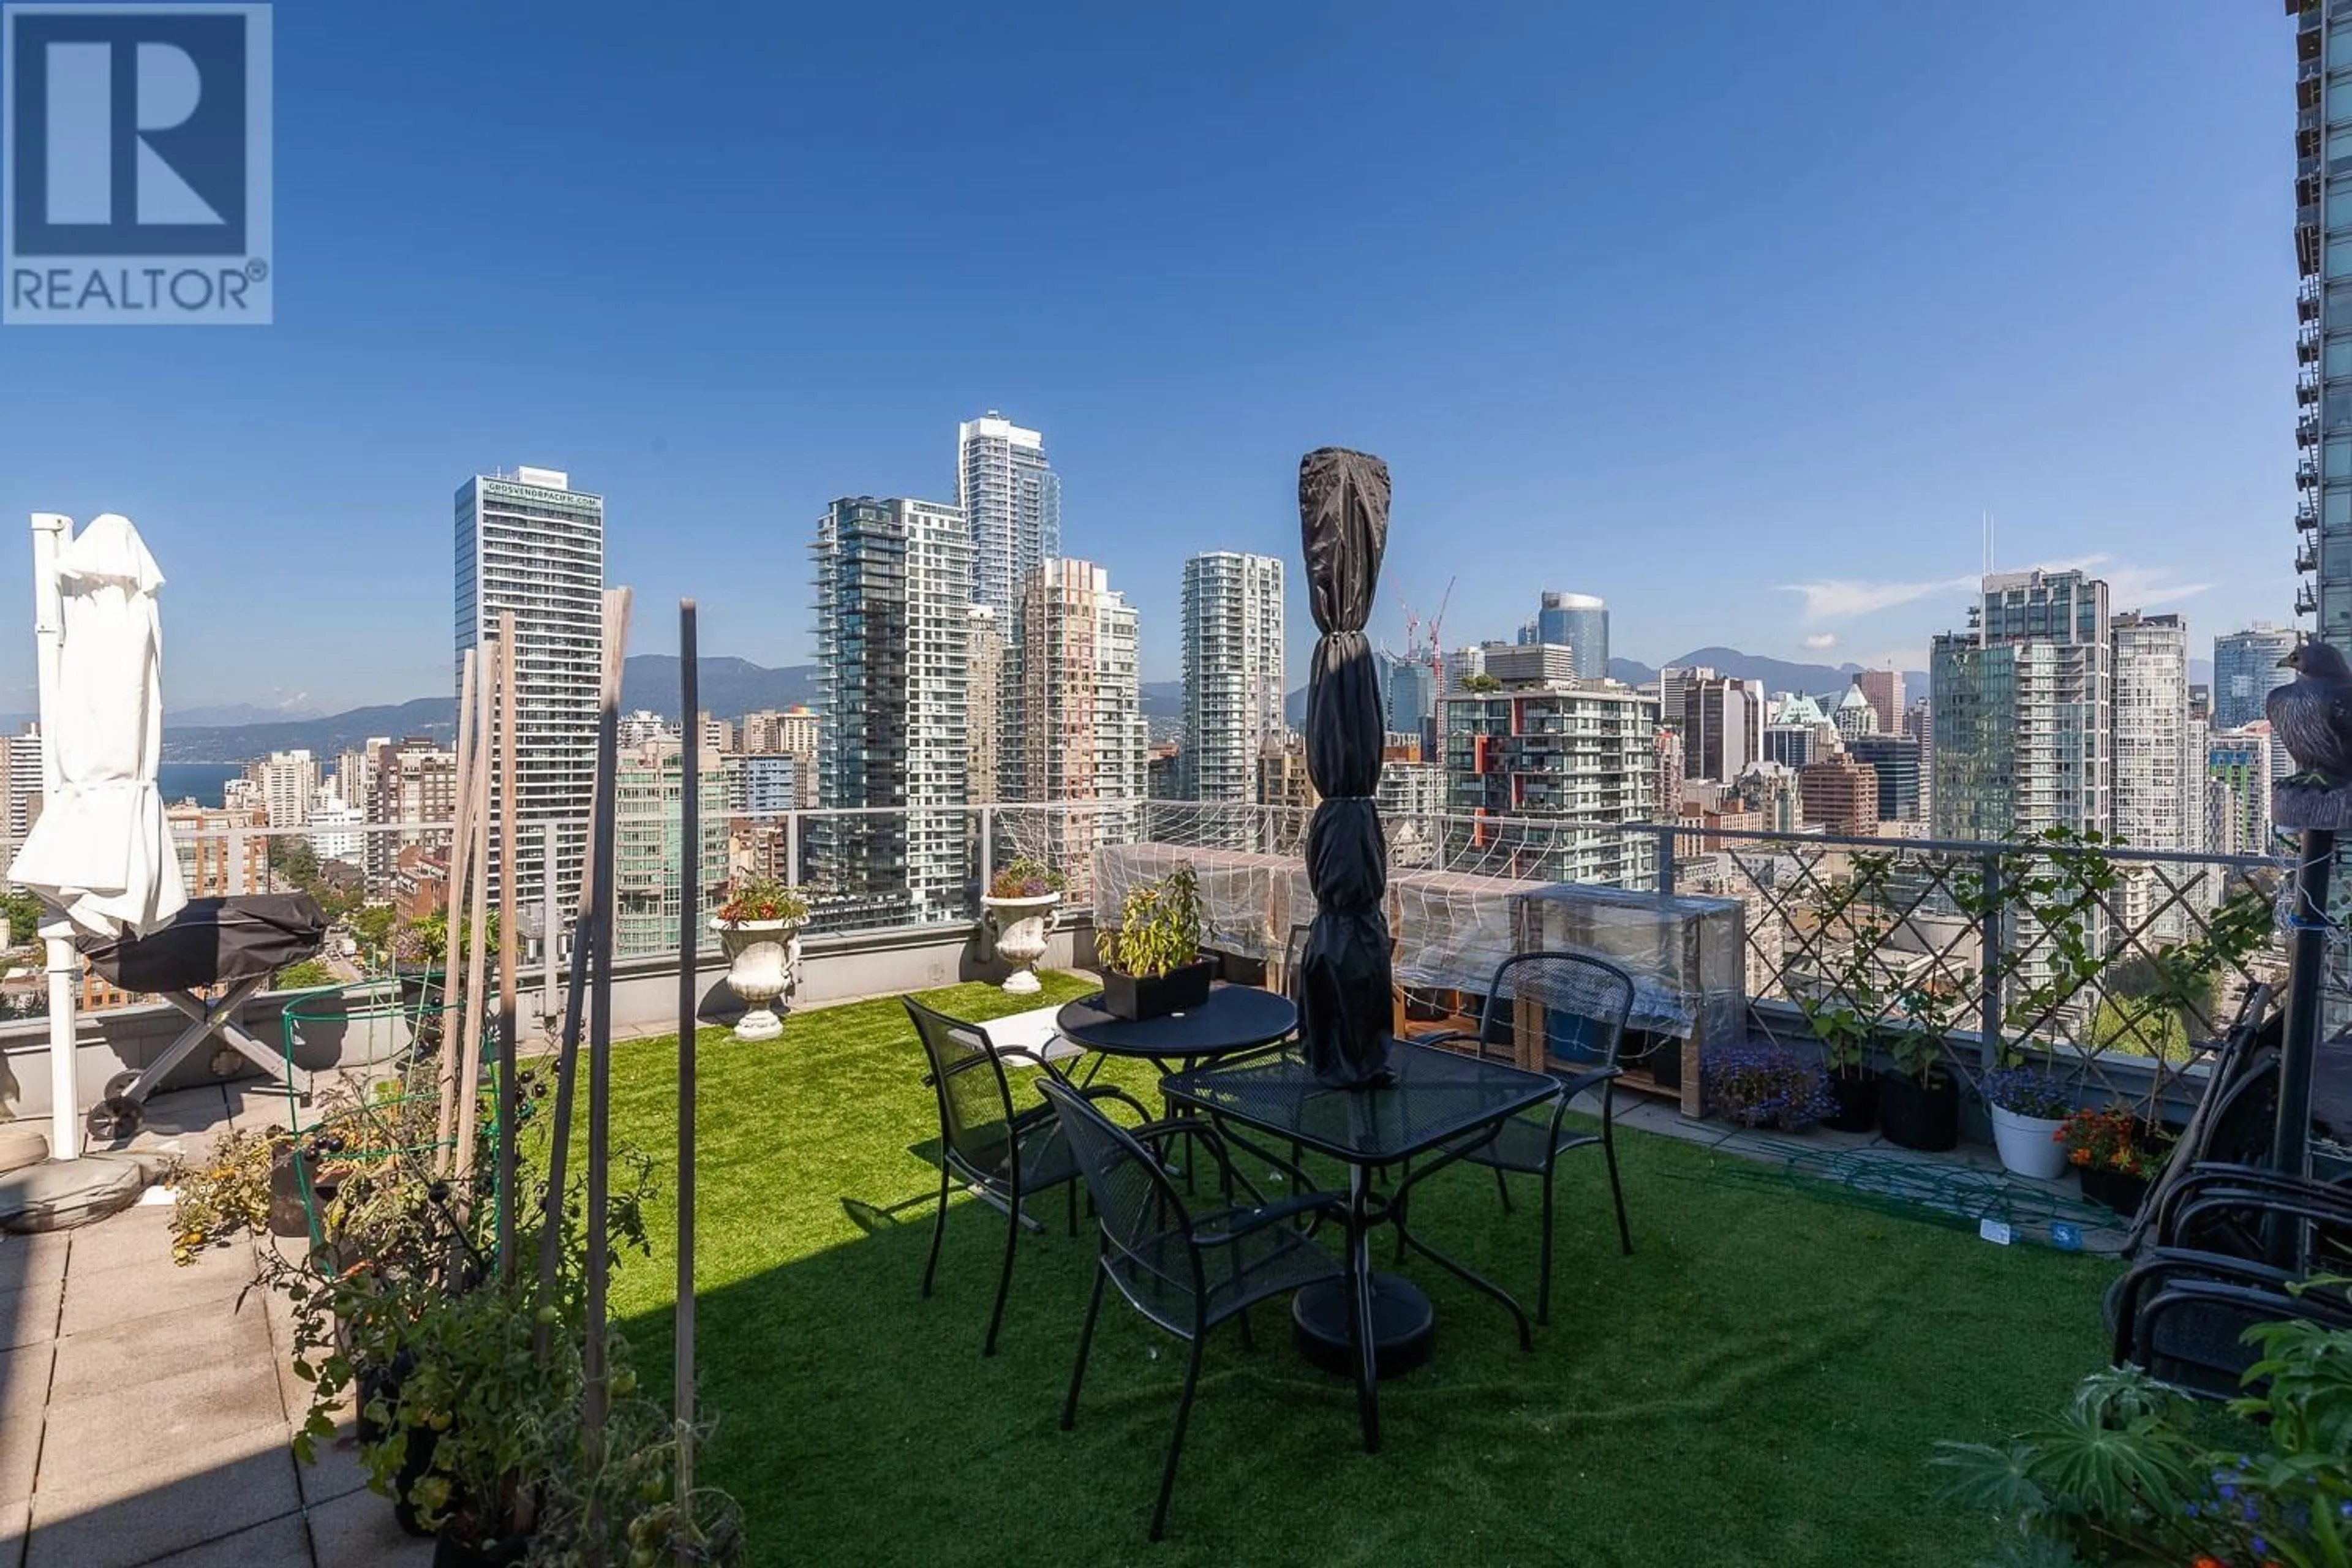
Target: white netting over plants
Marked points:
1249	901
1452	930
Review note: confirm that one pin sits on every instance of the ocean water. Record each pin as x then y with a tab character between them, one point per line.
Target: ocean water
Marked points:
177	781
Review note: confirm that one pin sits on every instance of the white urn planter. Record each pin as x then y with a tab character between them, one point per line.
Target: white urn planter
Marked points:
2028	1144
763	964
1022	927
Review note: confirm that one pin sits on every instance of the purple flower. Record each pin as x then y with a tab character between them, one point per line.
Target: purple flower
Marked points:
1758	1084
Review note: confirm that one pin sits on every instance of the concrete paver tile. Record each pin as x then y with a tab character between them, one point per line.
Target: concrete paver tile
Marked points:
142	1354
357	1531
281	1542
24	1395
29	1316
16	1523
112	1517
110	1296
142	1431
38	1260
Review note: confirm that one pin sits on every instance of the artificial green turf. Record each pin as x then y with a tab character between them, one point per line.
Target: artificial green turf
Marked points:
1760	1383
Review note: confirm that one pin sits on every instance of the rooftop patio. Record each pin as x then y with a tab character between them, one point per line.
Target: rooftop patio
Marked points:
1803	1318
1767	1375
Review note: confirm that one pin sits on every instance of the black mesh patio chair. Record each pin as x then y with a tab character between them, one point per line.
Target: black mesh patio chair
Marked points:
1010	1154
1185	1272
1584	1002
2182	1311
1292	951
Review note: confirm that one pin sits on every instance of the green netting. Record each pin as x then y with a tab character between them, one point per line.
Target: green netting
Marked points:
384	1105
1941	1192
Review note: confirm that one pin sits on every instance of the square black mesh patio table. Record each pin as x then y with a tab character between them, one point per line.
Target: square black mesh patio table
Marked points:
1436	1097
1376	1325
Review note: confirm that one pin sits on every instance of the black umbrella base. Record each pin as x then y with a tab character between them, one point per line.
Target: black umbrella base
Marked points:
1323	1321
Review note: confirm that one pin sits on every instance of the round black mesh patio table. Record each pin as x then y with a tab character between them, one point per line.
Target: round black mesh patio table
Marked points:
1234	1018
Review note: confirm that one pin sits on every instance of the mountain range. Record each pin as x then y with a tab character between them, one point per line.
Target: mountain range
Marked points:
1165	699
733	687
1777	674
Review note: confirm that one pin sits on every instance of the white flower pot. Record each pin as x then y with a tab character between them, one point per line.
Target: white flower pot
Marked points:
1022	926
2029	1145
763	963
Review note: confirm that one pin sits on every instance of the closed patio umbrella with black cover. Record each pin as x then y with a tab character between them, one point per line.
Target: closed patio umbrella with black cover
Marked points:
1344	976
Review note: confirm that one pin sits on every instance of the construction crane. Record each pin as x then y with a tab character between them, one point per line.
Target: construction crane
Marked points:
1437	675
1437	621
1411	628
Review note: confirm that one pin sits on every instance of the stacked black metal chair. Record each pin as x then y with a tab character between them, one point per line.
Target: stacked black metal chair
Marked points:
2223	1240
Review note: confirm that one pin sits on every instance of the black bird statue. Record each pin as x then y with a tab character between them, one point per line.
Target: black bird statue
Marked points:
2311	716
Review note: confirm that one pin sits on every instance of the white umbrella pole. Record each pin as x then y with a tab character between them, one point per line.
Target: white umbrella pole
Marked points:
51	530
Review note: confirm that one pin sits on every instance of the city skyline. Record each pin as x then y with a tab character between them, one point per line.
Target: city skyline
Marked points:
1903	369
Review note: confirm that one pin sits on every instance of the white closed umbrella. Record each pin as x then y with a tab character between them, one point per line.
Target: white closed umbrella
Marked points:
101	852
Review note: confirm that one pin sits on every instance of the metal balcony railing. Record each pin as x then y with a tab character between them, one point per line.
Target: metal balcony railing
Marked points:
2094	954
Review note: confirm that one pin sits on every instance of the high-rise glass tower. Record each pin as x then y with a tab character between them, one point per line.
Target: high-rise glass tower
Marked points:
649	851
1233	672
1578	622
2238	791
1073	728
2246	670
1411	696
529	542
893	630
2159	767
2323	252
1722	725
2022	704
1011	499
1883	690
2158	796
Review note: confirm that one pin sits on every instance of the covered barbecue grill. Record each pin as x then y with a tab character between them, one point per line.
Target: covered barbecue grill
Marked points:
234	943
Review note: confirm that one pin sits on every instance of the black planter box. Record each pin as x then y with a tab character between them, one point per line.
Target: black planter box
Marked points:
1125	996
1916	1116
2115	1190
448	1552
1856	1094
1660	1056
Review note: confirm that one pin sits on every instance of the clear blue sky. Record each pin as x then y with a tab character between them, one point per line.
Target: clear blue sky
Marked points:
1683	306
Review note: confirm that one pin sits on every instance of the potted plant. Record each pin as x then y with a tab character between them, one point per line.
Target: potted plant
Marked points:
1153	963
1918	1099
1844	1033
467	1386
1757	1084
623	1508
494	1410
760	926
2027	1106
1020	904
2117	1154
2132	1472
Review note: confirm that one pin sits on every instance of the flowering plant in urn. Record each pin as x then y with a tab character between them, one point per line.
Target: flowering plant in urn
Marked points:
1019	903
759	927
